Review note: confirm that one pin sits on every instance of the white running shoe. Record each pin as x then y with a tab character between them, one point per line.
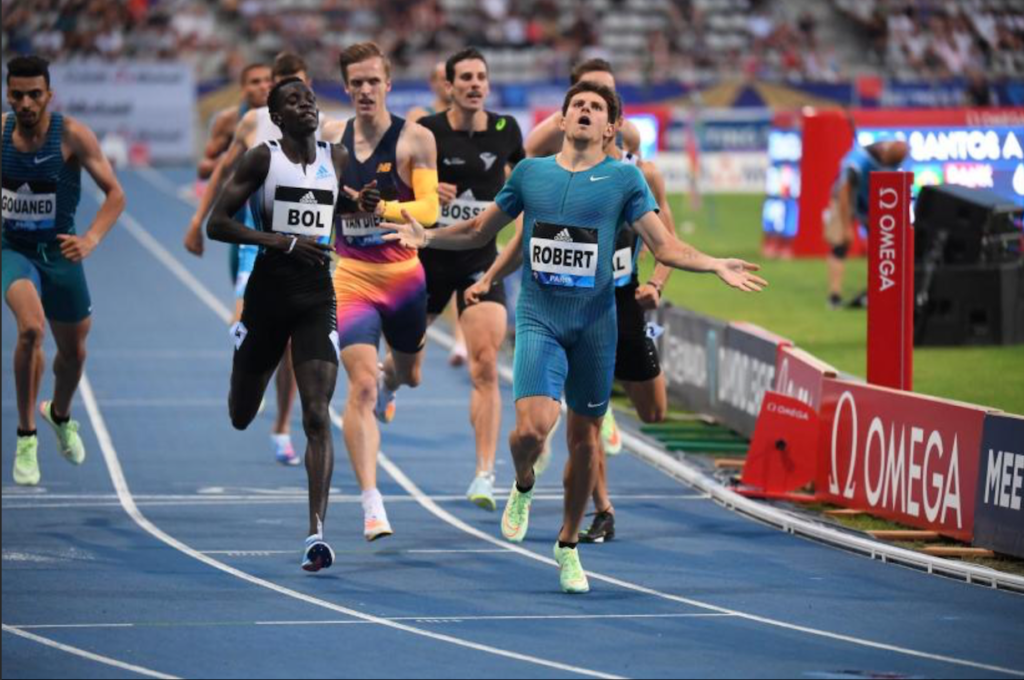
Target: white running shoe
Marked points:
375	517
481	492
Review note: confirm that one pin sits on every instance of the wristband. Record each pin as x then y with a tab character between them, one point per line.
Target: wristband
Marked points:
655	286
295	239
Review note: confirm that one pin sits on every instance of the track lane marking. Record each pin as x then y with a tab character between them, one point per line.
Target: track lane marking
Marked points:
75	651
396	473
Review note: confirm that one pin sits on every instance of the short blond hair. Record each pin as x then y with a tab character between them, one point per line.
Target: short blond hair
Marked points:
361	52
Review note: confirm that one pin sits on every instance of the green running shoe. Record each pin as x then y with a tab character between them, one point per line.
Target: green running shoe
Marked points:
481	492
570	571
71	446
26	465
516	519
610	436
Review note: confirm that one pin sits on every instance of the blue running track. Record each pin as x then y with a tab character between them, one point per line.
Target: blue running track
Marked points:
188	565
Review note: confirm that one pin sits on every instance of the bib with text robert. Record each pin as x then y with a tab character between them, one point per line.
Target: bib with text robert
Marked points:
564	256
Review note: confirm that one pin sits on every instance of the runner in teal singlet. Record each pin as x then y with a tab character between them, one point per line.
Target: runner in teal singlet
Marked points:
574	205
43	277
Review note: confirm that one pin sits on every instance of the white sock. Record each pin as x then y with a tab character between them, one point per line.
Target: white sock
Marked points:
281	440
373	503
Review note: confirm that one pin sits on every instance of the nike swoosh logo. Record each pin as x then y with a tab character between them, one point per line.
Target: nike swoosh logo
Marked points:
598	179
40	161
589	405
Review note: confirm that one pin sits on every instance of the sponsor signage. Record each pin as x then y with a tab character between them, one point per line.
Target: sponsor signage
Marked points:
783	456
149	106
999	513
890	281
904	457
746	370
798	374
689	349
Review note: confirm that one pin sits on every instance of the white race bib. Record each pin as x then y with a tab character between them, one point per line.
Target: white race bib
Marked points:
461	209
361	229
564	256
303	212
622	266
29	207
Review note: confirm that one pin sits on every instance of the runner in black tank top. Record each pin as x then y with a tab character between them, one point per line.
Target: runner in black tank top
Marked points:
293	186
475	150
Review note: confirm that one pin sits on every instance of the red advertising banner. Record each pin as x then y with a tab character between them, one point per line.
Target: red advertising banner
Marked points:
798	374
891	281
901	456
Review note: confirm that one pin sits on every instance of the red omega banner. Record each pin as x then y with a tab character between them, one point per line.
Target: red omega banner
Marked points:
890	281
800	375
901	456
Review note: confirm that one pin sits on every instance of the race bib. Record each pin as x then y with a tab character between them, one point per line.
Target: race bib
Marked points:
622	263
461	209
30	208
361	230
564	256
303	212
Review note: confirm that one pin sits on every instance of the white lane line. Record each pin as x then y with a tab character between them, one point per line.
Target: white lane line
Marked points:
396	473
120	483
437	511
43	502
444	619
68	649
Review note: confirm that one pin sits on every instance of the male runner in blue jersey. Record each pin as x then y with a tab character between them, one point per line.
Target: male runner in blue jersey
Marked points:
574	205
43	277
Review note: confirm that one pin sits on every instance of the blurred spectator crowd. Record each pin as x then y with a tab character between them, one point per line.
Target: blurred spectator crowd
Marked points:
942	38
113	29
647	40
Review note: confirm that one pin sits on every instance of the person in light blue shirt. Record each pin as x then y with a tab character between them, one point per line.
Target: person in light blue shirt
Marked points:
574	205
849	206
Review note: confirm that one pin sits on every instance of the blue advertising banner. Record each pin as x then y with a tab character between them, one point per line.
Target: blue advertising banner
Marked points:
999	507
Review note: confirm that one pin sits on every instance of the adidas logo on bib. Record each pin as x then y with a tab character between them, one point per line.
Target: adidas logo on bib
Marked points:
308	199
564	236
323	173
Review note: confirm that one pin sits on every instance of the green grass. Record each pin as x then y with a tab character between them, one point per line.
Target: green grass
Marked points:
794	307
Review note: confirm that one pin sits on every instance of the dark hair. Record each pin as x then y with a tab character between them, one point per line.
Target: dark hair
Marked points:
467	54
604	92
28	67
287	64
249	69
589	66
273	99
361	52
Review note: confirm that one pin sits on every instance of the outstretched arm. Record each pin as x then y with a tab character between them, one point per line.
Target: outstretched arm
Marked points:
672	252
509	260
649	294
86	149
464	235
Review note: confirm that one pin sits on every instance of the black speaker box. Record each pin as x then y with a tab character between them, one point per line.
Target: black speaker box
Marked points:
969	226
971	305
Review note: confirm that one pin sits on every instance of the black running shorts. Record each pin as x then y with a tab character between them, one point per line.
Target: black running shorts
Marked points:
636	356
274	314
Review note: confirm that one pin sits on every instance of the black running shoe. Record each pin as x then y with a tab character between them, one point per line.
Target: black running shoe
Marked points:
601	530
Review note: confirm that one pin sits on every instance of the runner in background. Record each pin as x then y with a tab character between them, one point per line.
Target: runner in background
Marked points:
476	149
442	102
